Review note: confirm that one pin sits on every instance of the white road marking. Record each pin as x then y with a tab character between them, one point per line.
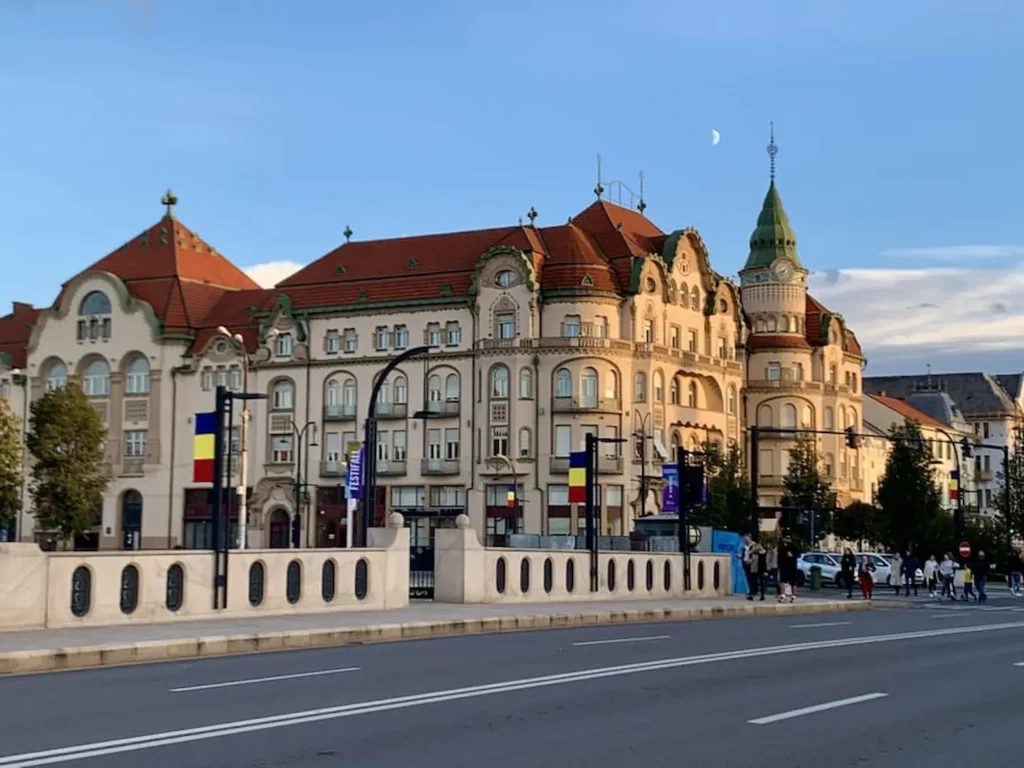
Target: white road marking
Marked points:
821	624
622	640
255	680
1019	664
186	735
950	615
817	708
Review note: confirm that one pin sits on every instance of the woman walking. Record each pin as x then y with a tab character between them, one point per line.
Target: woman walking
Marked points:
866	573
931	572
848	566
787	569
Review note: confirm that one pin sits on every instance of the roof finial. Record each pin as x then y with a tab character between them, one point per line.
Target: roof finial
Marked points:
532	215
773	150
598	190
347	233
641	206
170	201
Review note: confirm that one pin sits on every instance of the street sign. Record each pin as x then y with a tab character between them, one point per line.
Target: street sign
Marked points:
670	497
965	549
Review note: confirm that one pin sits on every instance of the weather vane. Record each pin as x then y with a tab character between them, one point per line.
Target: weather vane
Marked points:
170	201
773	150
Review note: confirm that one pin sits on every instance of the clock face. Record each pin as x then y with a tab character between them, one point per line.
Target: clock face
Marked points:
783	269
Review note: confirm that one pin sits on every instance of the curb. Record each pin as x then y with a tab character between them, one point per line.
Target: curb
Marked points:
91	656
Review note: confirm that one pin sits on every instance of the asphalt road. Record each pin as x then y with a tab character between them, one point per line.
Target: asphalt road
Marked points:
884	688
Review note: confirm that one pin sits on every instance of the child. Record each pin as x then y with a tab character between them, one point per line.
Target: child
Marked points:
968	584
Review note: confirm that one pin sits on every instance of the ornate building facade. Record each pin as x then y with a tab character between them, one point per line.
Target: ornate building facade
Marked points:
537	336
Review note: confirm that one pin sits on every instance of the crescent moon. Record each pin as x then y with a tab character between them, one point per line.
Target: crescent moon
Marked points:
715	137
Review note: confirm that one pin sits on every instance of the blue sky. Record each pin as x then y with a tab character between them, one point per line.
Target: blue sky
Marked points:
277	123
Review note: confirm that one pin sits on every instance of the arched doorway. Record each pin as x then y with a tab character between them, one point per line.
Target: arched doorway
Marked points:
279	527
131	520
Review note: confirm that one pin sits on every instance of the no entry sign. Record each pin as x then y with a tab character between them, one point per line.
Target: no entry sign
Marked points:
965	549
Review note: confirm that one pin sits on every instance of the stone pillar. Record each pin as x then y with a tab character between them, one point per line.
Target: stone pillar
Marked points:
459	564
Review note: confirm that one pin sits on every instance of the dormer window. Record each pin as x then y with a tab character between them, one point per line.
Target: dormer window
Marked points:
506	278
94	317
284	345
650	285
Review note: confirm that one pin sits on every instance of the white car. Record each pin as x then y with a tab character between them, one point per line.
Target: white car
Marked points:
831	571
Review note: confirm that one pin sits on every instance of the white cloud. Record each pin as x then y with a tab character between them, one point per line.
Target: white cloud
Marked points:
273	272
957	252
955	319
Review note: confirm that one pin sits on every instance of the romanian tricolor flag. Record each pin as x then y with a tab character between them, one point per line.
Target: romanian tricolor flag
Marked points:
511	497
203	447
954	485
578	477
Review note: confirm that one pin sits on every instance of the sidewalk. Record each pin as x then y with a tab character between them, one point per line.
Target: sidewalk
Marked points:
46	650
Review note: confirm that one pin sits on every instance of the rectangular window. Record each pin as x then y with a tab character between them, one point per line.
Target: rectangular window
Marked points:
451	444
563	440
333	343
106	327
281	449
447	496
984	429
333	447
673	337
398	445
588	429
612	448
571	326
559	511
723	350
764	463
233	439
381	338
433	443
407	496
222	376
383	446
83	330
235	378
988	497
284	345
350	340
798	371
499	441
207	379
601	327
774	372
135	443
434	335
691	341
401	337
649	331
453	334
506	325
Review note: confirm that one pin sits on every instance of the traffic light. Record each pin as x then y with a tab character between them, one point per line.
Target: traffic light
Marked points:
851	438
296	531
966	448
693	485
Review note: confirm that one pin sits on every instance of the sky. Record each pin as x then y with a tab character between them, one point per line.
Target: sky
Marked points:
280	122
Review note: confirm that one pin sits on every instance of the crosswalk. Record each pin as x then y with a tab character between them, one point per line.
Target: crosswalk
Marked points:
974	607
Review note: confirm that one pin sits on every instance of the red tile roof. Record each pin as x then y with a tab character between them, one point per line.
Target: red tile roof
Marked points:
775	341
907	411
813	313
15	330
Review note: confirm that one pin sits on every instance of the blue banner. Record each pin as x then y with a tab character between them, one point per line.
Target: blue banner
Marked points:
670	495
354	476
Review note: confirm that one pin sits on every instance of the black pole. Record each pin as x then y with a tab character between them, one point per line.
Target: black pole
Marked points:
682	469
370	443
590	449
755	512
643	468
295	532
230	420
220	556
1007	503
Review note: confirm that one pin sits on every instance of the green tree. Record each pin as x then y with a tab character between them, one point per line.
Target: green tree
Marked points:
728	506
857	522
912	514
806	497
1014	471
65	439
11	473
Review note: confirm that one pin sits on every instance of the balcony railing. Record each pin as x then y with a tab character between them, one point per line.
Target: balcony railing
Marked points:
440	467
984	476
339	411
330	468
392	411
559	465
579	405
609	465
444	407
390	468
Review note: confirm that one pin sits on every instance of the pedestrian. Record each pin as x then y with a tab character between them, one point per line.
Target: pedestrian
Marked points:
787	569
931	574
910	572
762	569
750	565
772	562
848	566
968	583
866	574
1015	571
981	572
947	572
896	571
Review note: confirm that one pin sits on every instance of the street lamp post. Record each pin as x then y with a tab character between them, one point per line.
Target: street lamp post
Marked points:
300	484
243	481
641	437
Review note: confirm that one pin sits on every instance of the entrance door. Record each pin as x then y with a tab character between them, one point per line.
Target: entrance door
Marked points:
131	520
279	529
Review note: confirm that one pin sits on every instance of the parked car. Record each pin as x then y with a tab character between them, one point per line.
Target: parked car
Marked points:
831	571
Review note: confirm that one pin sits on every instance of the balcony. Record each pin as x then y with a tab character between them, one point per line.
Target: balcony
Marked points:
443	408
390	468
331	468
984	476
609	465
559	465
440	467
392	411
340	412
575	405
509	344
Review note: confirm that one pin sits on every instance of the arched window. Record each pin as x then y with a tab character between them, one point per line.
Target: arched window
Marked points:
842	417
853	420
348	392
563	383
675	443
525	383
695	298
434	388
94	303
611	385
57	375
499	383
764	416
333	392
97	379
830	465
659	387
401	390
731	399
691	395
684	295
451	387
828	418
137	380
832	374
789	416
806	417
640	387
771	323
588	388
524	442
283	396
759	325
784	323
673	391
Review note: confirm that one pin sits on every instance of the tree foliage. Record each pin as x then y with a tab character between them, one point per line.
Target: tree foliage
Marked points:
912	515
857	522
806	497
11	472
65	439
728	506
1014	471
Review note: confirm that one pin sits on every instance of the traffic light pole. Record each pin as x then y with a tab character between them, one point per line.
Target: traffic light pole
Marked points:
590	446
682	469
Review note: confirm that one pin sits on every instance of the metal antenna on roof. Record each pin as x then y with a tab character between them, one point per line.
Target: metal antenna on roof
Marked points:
170	201
598	190
347	233
773	150
641	206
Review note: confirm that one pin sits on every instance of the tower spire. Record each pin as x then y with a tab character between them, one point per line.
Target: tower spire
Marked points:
773	150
